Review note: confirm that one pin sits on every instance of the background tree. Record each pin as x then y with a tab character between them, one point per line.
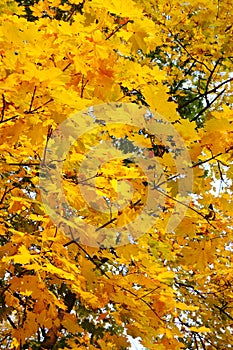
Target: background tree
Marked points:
173	290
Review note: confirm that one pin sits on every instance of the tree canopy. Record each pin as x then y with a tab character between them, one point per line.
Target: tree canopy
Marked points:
116	174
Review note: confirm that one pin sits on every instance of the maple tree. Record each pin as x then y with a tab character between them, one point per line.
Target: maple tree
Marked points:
150	83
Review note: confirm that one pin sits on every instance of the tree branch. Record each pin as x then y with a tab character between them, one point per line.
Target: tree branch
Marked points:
210	76
106	224
11	322
193	58
117	29
22	164
66	67
83	86
36	109
3	107
185	205
206	160
103	273
88	255
32	100
49	134
7	120
207	106
201	340
205	93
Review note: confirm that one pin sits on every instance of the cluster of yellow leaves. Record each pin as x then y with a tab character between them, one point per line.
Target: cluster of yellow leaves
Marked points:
163	287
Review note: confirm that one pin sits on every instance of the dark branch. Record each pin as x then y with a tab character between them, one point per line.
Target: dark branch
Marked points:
36	109
193	58
11	118
207	106
11	322
117	29
215	89
49	134
185	205
32	100
22	164
3	107
83	86
66	67
106	224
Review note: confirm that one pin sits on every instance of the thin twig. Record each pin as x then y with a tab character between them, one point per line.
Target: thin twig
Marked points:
205	93
180	284
201	340
4	194
11	322
32	100
103	273
207	106
3	107
168	179
36	109
193	58
213	157
22	164
185	205
206	160
89	178
65	68
83	86
49	134
55	235
144	301
195	340
87	254
106	224
181	81
7	191
11	118
117	29
210	77
224	312
148	293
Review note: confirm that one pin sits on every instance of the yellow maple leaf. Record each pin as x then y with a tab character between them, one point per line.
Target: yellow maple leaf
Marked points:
201	329
120	7
24	256
70	323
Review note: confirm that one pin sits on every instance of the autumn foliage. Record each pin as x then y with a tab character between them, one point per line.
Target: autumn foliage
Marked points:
118	67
